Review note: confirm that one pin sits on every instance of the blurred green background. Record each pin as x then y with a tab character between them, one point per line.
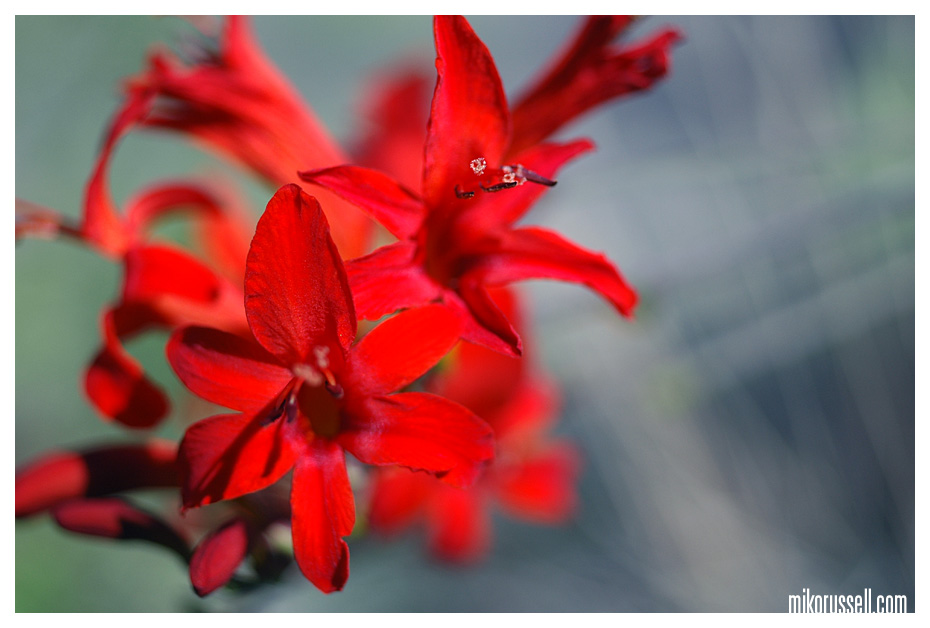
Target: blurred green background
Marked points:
749	435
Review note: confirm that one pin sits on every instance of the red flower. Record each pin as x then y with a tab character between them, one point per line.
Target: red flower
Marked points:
456	239
236	102
163	286
305	393
532	477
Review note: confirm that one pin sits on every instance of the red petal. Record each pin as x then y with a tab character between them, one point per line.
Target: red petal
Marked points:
218	555
397	498
156	271
117	385
180	289
483	322
477	377
226	369
230	455
534	253
55	477
239	104
403	348
542	488
389	280
419	431
589	73
398	108
396	208
323	511
469	116
102	223
297	294
459	525
114	518
157	201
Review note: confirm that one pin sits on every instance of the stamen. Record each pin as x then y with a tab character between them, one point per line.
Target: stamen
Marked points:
478	165
498	187
322	357
538	178
308	374
460	194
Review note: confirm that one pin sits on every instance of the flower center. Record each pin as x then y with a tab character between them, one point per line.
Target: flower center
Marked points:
497	179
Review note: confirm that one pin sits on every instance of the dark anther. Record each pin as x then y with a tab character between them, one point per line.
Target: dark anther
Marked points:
335	390
275	414
460	194
536	178
499	187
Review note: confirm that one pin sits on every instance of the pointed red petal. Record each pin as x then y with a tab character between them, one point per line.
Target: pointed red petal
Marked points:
296	292
115	518
389	280
230	455
480	379
218	555
459	525
397	498
55	477
102	223
534	253
542	488
483	322
589	73
403	348
419	431
385	200
469	116
323	511
117	386
226	369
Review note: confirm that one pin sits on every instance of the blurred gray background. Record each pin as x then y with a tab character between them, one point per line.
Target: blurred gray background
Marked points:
749	435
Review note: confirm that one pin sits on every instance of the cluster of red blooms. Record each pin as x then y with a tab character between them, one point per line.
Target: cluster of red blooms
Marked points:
305	381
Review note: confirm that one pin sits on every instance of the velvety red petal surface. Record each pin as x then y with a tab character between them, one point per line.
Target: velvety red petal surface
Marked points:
218	555
402	348
323	511
396	208
458	525
55	477
389	280
230	455
469	116
534	253
420	431
296	292
398	496
226	369
542	488
115	518
117	386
